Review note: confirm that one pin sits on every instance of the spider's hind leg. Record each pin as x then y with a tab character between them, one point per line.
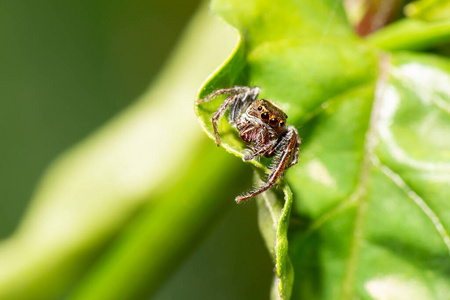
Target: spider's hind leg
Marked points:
253	91
296	148
242	102
241	97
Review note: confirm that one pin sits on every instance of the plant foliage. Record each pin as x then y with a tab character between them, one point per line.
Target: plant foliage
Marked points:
371	189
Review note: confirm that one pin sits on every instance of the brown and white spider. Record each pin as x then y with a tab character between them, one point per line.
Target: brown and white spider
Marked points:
262	125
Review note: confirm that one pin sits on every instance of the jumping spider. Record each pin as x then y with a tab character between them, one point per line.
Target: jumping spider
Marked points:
262	125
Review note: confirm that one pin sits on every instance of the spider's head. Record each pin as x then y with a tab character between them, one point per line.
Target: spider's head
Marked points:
269	113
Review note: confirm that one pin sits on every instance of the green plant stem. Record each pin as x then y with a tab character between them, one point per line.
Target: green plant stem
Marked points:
90	193
163	234
410	34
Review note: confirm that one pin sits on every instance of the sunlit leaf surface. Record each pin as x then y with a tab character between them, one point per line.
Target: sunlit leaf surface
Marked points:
372	186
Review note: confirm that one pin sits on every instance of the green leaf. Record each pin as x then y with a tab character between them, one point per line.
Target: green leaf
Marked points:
377	188
429	10
273	219
287	66
412	35
370	188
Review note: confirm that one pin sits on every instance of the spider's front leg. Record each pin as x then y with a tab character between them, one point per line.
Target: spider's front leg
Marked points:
241	97
289	146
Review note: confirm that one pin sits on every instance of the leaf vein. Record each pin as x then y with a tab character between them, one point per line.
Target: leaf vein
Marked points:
396	178
361	191
269	208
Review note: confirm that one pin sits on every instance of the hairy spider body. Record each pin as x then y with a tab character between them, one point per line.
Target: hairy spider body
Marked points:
262	125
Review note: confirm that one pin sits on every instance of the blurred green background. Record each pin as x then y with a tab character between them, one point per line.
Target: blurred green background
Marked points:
66	67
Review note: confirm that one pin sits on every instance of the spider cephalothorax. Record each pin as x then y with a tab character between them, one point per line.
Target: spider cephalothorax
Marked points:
262	125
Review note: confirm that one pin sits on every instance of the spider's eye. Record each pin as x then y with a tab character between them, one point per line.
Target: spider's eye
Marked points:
265	116
260	108
281	123
273	121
